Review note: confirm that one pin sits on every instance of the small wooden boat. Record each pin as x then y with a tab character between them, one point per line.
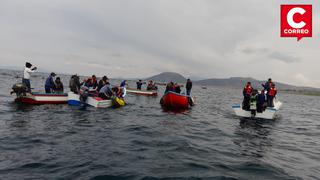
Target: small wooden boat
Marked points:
268	113
43	98
172	100
74	100
142	92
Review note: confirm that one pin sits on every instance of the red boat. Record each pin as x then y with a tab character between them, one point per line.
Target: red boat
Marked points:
172	100
43	98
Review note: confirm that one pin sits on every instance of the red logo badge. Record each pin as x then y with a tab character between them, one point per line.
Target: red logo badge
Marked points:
296	21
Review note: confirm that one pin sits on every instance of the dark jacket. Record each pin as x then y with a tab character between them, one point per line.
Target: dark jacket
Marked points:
58	87
189	85
50	83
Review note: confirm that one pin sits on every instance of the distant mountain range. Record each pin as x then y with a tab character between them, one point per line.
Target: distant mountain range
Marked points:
233	82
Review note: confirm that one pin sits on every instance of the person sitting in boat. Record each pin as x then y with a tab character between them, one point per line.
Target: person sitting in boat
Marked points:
49	85
247	90
177	88
271	94
188	87
27	74
139	84
253	102
102	82
151	86
91	83
106	91
58	85
74	84
169	87
261	102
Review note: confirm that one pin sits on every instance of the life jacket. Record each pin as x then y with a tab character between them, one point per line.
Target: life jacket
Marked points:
247	89
272	91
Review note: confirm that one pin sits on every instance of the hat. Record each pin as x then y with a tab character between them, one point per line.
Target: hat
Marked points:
53	74
28	65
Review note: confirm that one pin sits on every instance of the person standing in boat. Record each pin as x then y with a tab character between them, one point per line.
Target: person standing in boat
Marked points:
253	102
27	74
247	90
261	101
267	85
58	85
271	94
188	87
139	84
49	85
123	90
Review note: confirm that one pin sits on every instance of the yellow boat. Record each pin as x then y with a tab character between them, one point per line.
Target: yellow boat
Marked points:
118	102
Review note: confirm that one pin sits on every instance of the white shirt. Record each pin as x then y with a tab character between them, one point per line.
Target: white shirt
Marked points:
27	73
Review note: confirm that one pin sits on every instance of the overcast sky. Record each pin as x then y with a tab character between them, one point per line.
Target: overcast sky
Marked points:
139	38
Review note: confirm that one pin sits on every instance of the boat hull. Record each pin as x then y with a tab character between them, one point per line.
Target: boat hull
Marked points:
172	100
74	100
269	113
43	98
141	92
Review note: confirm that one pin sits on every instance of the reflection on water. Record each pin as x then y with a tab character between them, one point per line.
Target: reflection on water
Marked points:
253	137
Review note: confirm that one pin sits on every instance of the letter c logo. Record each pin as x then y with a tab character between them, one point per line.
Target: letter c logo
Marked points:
290	15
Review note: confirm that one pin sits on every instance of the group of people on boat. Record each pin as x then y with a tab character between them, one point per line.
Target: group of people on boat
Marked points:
175	87
151	86
53	86
92	87
254	100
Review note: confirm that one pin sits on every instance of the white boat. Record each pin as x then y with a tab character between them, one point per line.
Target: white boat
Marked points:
142	92
269	113
74	100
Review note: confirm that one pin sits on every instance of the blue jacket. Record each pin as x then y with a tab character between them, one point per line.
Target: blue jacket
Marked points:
261	98
49	82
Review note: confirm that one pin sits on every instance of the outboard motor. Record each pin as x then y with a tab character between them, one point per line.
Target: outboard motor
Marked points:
20	89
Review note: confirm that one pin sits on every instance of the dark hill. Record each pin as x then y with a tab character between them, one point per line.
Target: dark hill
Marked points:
167	77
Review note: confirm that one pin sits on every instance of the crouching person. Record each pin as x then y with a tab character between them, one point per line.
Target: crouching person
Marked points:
106	91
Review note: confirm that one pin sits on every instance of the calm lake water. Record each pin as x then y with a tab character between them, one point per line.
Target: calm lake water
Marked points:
141	141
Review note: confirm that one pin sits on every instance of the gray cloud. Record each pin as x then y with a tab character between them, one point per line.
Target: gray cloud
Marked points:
284	57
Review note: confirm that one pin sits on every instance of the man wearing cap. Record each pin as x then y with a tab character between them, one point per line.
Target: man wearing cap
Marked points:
49	86
26	75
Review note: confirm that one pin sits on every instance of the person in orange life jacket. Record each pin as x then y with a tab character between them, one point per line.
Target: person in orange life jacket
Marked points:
261	101
247	90
271	94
